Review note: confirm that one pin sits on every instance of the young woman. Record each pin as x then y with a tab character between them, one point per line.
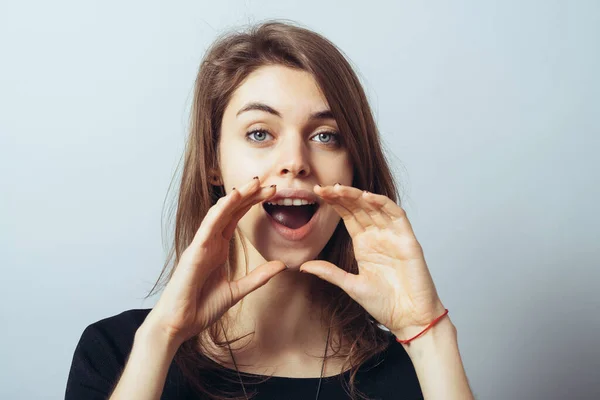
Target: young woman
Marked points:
291	251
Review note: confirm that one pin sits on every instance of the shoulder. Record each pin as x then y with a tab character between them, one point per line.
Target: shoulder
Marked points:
116	332
122	324
101	353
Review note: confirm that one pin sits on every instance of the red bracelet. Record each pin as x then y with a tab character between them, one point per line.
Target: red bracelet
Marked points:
424	330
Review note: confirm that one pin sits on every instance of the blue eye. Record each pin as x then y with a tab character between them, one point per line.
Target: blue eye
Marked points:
256	132
334	137
328	138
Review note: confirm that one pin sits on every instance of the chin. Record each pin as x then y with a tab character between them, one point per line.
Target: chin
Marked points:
293	258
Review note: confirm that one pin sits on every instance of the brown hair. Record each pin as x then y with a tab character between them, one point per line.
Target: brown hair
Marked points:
230	59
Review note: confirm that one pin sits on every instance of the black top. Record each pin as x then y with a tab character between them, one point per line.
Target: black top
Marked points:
103	348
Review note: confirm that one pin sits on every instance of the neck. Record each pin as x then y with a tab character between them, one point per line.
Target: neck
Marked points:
283	314
281	326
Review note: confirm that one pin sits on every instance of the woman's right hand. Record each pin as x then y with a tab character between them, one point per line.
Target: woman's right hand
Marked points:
198	292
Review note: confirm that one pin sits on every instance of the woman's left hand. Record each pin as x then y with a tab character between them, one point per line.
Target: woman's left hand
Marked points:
393	283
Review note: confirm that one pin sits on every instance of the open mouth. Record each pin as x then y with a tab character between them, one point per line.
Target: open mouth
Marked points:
293	217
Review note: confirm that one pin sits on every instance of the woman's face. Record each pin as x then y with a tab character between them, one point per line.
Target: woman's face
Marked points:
277	127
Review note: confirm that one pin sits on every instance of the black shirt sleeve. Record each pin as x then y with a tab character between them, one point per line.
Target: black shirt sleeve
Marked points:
100	356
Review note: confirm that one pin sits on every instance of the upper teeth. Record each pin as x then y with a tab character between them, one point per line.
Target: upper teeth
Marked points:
291	202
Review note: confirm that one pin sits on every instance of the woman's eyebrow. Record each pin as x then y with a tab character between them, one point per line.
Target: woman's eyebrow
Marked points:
325	114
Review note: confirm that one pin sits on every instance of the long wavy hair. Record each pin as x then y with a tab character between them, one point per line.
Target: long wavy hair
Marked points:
228	61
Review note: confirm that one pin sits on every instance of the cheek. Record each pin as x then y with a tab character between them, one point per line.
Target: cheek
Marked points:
349	172
239	169
337	170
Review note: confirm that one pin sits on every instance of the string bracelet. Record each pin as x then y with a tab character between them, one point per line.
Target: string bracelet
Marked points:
435	321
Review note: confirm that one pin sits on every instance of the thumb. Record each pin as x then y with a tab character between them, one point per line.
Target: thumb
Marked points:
331	273
255	279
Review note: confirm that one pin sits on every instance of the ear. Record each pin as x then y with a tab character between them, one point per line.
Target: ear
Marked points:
214	177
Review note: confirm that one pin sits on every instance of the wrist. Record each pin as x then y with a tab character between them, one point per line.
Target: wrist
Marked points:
440	335
147	365
157	337
438	364
412	332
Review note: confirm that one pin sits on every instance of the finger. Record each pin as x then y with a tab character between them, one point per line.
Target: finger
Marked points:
331	273
261	195
246	194
386	204
219	214
381	219
352	225
211	219
393	211
351	199
250	197
255	279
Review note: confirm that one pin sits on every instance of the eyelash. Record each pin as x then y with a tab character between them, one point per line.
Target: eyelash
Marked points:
335	135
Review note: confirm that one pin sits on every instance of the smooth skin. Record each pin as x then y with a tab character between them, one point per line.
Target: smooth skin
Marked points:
199	292
276	127
393	284
196	295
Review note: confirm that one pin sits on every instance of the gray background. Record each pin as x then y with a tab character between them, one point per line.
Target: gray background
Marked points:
490	109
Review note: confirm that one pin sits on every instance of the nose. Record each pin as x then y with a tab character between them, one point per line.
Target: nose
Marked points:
293	159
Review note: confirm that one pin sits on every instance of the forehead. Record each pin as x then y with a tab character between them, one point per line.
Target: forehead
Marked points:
290	91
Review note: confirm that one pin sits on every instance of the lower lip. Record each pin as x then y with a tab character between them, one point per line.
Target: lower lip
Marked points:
294	234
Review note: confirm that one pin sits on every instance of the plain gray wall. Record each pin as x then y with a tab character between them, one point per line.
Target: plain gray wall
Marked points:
490	109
